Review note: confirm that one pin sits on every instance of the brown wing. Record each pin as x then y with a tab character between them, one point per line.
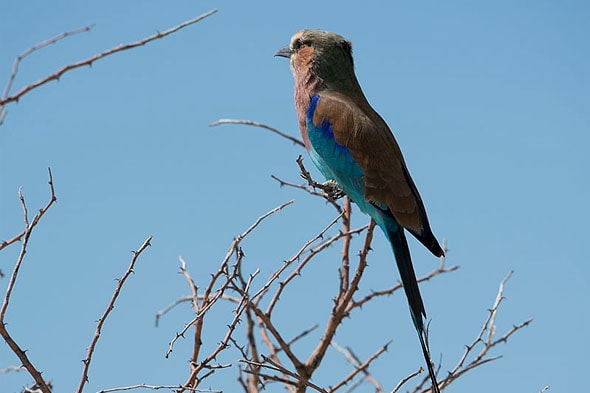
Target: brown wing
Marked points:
374	148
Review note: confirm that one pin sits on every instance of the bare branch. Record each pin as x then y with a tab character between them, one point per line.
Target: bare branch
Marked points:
87	62
257	124
169	307
351	357
110	307
8	369
487	340
155	387
29	51
388	291
296	272
285	347
345	269
309	190
196	366
25	236
406	379
338	311
303	334
233	249
271	365
36	219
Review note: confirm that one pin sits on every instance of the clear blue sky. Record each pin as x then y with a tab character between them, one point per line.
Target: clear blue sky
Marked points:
489	102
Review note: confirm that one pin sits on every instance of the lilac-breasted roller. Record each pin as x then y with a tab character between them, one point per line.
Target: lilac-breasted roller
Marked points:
351	144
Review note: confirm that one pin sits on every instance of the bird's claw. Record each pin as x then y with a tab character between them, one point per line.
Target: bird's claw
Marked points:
332	190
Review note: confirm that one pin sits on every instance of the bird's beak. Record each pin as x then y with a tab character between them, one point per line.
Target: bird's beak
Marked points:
284	52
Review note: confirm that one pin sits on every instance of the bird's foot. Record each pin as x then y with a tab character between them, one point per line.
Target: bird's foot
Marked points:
332	190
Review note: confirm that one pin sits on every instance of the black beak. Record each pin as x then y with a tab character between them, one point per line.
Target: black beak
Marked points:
284	52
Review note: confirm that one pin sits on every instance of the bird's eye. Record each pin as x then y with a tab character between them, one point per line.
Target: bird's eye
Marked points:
297	43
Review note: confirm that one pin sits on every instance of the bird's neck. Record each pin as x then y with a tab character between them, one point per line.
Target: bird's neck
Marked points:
307	84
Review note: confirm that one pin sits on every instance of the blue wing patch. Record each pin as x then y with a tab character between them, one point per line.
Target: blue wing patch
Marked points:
331	158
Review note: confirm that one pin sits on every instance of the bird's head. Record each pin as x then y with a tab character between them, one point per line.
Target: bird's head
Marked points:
322	53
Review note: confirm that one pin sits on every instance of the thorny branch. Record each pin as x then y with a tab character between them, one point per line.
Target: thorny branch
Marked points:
233	250
36	219
406	379
42	385
120	282
89	61
193	380
488	341
203	303
169	307
156	387
257	124
271	365
29	51
351	357
442	269
359	367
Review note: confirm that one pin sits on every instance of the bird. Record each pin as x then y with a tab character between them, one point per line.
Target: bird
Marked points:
351	144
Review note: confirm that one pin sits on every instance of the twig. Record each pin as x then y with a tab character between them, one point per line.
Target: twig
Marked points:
303	334
257	124
36	219
351	357
29	51
487	340
338	311
198	323
193	381
296	272
87	62
406	379
25	236
388	291
345	269
120	282
207	302
285	347
303	187
8	369
271	365
169	307
155	387
359	368
234	248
